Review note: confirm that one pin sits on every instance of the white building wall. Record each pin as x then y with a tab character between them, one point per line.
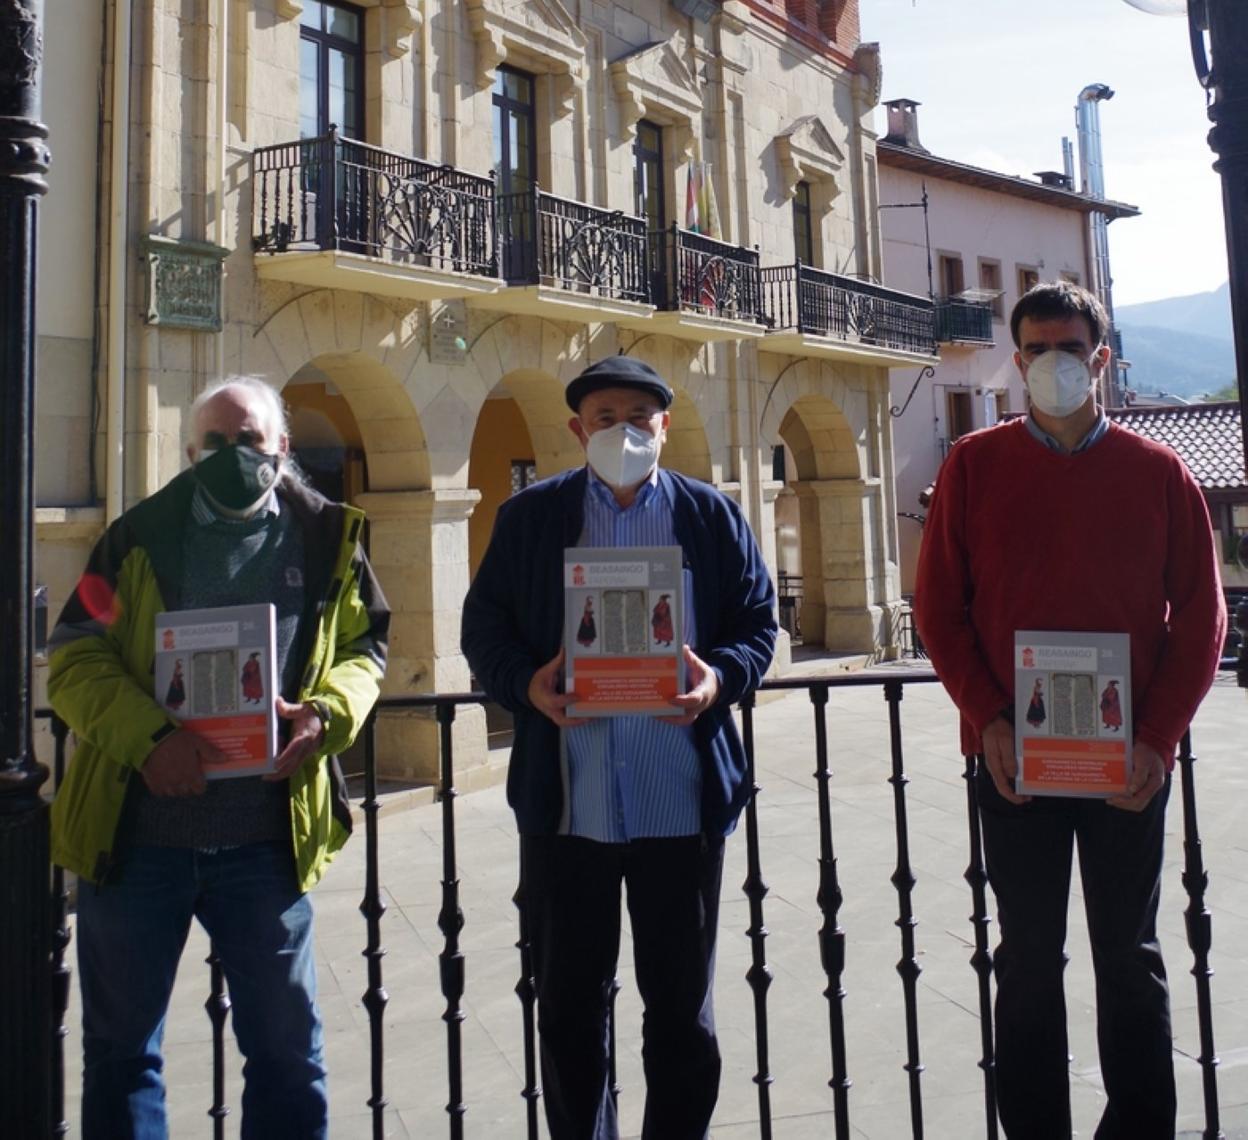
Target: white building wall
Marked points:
976	224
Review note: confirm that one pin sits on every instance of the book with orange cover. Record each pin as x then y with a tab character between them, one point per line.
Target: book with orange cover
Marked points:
216	673
1072	713
624	612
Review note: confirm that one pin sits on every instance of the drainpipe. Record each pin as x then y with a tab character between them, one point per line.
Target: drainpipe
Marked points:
223	67
119	199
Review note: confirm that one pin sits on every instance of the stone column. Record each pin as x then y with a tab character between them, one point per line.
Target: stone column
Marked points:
418	545
845	602
767	542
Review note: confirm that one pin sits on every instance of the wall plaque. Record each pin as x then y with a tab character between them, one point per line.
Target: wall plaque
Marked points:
183	283
448	334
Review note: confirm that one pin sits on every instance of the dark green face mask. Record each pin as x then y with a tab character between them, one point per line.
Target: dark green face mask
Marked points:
236	479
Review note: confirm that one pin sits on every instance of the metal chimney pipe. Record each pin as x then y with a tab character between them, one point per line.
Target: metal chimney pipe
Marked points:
1088	129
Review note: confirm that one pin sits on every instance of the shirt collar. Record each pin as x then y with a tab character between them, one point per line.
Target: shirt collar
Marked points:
602	489
1095	434
204	515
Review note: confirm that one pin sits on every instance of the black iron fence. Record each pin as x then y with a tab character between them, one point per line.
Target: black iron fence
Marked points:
332	193
797	297
831	936
554	241
703	275
969	321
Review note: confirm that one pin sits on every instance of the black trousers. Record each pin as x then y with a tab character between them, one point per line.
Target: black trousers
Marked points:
572	902
1028	853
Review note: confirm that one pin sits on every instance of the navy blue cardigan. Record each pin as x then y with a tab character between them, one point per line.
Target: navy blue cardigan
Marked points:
513	624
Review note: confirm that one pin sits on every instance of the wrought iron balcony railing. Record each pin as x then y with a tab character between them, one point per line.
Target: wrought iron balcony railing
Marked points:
546	240
703	275
331	193
963	321
816	303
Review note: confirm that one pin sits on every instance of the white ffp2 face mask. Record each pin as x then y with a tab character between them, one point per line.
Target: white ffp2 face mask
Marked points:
622	455
1058	382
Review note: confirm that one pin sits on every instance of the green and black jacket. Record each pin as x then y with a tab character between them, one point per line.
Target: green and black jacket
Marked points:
100	675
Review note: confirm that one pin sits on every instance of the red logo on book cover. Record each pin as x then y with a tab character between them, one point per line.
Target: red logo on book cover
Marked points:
1029	658
168	641
578	575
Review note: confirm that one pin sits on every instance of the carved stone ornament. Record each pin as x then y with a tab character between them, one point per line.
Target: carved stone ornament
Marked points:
21	45
870	72
291	9
401	21
539	35
183	283
654	82
807	153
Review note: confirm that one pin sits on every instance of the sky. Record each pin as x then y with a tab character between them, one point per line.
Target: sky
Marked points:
998	79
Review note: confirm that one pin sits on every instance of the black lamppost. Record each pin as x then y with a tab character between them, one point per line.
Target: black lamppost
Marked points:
1219	31
25	908
1219	36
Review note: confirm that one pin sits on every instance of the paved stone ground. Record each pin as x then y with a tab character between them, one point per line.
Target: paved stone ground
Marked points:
862	813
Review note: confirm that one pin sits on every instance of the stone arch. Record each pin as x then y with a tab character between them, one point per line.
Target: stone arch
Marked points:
831	509
816	404
516	350
367	351
515	343
410	416
693	437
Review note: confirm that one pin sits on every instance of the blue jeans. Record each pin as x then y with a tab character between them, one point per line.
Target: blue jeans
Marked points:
131	932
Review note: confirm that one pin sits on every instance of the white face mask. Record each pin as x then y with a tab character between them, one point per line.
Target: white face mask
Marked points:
622	455
1058	382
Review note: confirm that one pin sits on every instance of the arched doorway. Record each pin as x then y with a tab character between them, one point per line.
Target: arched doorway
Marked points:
831	424
325	436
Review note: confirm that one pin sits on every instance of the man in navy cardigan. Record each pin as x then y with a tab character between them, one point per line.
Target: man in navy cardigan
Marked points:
640	801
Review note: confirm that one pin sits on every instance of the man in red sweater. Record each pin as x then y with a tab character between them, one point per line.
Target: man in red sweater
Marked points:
1065	521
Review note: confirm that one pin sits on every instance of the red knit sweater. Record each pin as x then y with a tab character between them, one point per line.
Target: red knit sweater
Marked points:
1112	539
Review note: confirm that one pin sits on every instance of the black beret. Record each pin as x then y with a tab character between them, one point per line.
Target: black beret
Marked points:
618	372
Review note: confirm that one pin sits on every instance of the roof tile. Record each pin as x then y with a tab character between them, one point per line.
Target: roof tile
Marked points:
1207	436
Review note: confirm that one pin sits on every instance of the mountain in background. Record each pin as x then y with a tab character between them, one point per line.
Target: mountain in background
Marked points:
1179	345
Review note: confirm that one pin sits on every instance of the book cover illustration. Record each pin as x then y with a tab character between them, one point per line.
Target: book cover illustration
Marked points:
623	613
1072	713
216	672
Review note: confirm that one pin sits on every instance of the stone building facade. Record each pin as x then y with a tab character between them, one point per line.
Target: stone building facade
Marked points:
420	220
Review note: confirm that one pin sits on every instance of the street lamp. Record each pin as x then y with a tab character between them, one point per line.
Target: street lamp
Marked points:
25	916
1219	41
1219	38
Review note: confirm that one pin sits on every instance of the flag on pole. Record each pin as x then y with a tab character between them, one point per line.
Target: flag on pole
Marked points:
693	198
709	208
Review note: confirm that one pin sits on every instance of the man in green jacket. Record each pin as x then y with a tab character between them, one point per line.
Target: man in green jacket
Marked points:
154	841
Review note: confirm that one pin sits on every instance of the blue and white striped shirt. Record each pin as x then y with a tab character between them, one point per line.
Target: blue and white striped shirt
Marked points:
632	777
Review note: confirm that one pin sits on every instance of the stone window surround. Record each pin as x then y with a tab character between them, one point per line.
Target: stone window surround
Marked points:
401	19
549	44
654	83
806	152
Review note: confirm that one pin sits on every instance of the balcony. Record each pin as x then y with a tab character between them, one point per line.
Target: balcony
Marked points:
339	214
570	261
705	289
964	322
813	313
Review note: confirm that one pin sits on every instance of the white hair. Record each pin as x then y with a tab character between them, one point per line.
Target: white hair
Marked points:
253	386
